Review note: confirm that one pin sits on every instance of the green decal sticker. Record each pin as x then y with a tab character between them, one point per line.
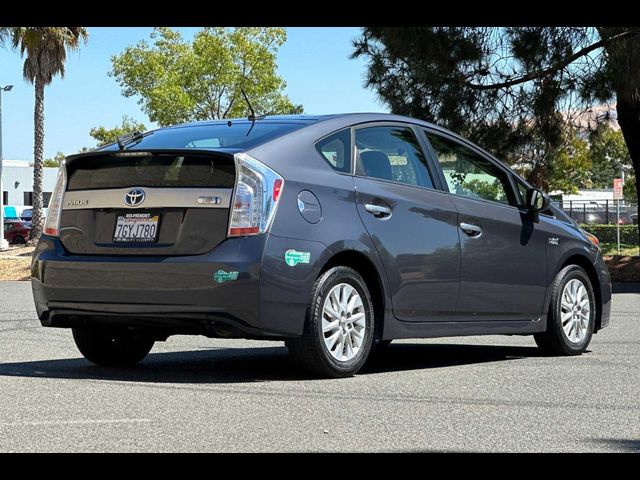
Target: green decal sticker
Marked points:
293	257
221	276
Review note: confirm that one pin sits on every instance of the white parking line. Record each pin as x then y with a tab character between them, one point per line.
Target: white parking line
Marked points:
75	422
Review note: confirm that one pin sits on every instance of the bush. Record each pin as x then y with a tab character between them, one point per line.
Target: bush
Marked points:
608	233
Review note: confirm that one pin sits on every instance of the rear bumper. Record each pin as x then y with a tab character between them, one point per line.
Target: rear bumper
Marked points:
180	294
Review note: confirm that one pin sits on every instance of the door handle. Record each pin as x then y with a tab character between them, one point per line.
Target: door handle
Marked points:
471	229
377	210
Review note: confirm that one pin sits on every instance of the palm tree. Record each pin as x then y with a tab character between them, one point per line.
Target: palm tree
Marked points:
45	52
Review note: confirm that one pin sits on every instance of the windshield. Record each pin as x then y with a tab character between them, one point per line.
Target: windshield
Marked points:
240	135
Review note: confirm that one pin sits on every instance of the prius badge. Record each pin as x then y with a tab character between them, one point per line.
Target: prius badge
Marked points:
554	241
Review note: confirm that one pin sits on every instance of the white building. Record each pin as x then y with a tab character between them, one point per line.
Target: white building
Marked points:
595	197
17	185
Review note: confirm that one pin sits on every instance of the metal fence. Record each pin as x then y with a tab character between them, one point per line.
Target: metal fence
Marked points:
600	212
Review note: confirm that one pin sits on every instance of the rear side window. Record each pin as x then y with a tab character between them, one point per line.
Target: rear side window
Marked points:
335	150
391	153
151	171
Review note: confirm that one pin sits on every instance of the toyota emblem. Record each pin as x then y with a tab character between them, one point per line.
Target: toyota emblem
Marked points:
134	197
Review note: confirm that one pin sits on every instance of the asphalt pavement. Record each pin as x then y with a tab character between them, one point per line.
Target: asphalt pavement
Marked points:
195	394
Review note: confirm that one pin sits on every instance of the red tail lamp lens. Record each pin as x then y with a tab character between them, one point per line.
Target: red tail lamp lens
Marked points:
277	188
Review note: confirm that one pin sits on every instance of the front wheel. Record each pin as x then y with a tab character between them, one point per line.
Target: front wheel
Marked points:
572	313
111	347
339	324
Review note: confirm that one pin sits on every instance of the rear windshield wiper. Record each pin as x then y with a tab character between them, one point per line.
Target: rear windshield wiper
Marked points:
128	138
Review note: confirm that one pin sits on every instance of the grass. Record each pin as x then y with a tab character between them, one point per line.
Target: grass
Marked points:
625	249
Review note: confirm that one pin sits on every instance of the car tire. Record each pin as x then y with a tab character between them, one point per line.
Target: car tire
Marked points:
111	347
329	345
18	240
569	329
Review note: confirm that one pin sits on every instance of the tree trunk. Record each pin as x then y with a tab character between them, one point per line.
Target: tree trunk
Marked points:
38	172
629	120
624	69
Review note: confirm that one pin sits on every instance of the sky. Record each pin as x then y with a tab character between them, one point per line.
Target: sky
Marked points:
314	62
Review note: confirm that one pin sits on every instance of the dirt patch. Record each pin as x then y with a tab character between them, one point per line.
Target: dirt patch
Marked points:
17	251
15	263
623	268
15	268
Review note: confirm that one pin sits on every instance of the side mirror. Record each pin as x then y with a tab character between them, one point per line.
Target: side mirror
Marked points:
537	200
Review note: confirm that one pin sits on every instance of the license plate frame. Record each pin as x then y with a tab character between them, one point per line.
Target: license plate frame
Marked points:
136	223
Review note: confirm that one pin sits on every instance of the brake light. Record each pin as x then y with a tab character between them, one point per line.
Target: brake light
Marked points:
52	222
255	197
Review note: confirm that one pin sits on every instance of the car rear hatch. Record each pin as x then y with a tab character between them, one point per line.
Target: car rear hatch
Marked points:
156	202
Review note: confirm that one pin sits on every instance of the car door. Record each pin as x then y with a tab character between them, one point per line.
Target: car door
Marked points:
413	225
503	248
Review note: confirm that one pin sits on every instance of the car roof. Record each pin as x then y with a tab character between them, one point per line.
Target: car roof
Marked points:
322	124
267	119
355	117
339	120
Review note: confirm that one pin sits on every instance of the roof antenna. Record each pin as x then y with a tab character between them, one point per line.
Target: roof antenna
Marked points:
252	117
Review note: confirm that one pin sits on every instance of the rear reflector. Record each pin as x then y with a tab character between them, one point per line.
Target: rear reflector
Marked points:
277	188
239	231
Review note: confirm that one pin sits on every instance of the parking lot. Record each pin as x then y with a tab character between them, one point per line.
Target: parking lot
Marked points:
199	394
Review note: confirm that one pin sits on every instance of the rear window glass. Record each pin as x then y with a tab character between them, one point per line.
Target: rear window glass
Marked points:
335	150
241	134
151	171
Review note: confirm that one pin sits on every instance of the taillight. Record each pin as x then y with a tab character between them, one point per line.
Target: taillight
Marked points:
255	197
52	222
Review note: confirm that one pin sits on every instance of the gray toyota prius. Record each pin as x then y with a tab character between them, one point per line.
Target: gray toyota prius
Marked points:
334	233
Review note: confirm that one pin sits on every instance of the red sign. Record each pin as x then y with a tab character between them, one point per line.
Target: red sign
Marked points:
618	183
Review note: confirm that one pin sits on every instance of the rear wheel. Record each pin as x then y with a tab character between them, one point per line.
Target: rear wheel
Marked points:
571	317
339	324
112	347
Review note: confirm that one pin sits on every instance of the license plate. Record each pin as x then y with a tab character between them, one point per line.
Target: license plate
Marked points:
136	228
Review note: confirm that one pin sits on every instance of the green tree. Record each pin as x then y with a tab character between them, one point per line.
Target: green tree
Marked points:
45	53
570	166
55	161
178	81
503	87
629	190
107	135
484	189
609	156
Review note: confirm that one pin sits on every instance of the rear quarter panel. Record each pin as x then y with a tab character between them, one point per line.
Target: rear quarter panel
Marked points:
285	289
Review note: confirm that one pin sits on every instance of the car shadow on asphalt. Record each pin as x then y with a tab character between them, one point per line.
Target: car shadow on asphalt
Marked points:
244	365
625	445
